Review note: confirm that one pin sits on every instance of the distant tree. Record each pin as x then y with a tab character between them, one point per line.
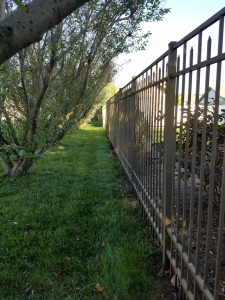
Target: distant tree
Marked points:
108	91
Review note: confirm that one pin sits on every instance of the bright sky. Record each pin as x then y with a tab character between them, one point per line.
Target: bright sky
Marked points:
184	17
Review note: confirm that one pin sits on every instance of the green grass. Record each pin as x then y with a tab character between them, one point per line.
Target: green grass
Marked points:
54	221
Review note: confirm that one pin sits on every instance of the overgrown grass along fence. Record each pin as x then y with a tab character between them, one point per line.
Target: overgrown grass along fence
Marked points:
67	226
183	216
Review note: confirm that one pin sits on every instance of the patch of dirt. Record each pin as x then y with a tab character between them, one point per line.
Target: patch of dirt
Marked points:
203	229
168	291
179	217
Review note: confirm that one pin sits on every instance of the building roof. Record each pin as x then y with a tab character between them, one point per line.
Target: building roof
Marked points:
222	90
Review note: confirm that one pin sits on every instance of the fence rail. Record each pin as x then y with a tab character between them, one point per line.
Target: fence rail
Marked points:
162	160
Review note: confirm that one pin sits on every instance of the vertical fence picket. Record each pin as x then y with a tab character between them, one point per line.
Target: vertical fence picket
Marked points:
194	159
183	226
222	200
186	169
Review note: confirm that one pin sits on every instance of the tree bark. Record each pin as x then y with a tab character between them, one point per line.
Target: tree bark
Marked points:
20	29
20	168
2	9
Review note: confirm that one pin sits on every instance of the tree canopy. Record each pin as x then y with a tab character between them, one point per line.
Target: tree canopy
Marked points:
50	86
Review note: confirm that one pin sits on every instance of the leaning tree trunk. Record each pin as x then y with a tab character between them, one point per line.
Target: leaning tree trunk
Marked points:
19	168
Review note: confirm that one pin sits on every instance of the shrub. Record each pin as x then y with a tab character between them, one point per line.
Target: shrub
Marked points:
208	147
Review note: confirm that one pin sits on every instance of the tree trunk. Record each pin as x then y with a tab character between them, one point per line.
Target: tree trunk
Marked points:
20	168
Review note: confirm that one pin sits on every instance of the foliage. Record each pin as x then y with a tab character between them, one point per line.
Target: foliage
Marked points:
49	87
20	5
54	223
108	91
189	138
18	153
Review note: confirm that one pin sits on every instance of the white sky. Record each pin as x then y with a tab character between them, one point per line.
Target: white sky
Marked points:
184	17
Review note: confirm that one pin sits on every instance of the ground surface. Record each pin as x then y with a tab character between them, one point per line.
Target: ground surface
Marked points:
67	226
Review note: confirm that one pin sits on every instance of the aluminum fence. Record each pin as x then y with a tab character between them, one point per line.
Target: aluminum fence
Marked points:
163	162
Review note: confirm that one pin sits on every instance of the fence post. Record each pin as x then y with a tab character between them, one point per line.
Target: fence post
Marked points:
168	151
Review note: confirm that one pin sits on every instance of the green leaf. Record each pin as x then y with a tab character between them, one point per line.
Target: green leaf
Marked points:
38	151
7	95
22	152
21	6
34	156
2	69
41	156
30	156
3	154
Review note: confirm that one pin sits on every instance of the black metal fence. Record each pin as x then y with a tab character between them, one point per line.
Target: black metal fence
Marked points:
149	123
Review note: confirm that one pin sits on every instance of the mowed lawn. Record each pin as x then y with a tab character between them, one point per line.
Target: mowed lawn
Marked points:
64	228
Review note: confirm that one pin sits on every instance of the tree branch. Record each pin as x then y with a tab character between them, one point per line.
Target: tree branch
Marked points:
55	37
20	29
21	60
59	71
3	139
88	25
